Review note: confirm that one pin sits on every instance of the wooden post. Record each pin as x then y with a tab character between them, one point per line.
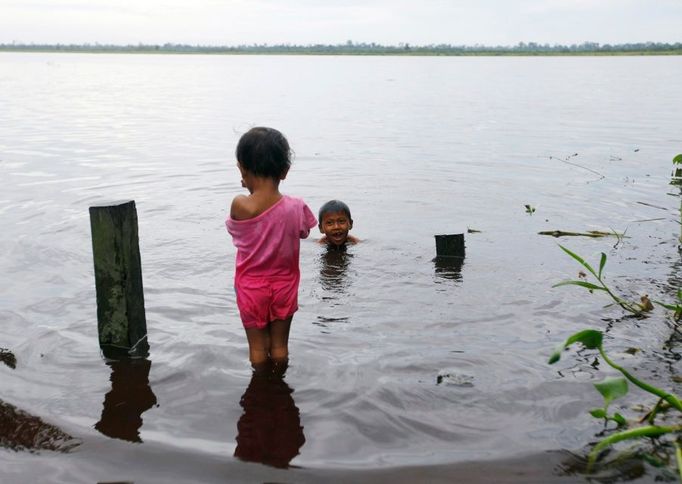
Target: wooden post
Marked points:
121	322
451	245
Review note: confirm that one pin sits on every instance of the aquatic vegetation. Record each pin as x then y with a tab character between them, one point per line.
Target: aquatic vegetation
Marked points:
589	233
8	358
453	378
636	308
566	160
530	210
614	388
21	431
677	170
675	308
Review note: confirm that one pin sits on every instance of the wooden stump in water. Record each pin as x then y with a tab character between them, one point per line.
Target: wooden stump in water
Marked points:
450	245
121	322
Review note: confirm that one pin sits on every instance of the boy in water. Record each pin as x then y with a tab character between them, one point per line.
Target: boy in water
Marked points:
335	222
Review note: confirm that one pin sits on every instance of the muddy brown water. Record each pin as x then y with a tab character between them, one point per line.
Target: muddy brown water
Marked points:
403	368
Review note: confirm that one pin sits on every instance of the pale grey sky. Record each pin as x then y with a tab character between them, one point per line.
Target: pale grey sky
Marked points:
229	22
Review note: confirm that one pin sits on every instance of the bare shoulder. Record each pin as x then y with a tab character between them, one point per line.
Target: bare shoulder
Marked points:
352	239
323	240
241	208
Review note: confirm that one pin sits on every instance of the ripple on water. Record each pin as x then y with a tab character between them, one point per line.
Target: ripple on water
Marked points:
377	326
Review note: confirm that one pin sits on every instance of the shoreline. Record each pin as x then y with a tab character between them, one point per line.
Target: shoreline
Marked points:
147	50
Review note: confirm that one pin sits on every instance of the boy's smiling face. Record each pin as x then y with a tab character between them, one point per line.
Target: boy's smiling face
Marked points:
335	226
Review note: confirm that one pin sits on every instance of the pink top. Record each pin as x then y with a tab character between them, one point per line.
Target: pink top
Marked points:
268	244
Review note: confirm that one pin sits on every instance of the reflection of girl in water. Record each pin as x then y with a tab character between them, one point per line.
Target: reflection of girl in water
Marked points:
269	430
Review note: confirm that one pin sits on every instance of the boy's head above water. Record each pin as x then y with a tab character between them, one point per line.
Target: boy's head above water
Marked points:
335	221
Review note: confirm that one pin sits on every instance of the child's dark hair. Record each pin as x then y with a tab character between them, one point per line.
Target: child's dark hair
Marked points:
264	152
334	206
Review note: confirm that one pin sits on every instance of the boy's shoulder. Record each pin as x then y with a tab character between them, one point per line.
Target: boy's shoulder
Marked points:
350	239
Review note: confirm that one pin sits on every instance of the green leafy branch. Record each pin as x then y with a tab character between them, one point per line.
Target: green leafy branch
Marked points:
630	306
614	388
677	170
611	389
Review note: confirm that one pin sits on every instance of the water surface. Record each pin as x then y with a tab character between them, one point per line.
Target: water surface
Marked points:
416	147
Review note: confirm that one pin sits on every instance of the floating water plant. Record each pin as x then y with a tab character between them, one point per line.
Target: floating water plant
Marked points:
589	233
614	388
8	358
677	180
677	170
633	307
530	210
675	308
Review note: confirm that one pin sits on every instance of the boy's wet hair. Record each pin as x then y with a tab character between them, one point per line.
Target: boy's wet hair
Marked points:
334	206
264	152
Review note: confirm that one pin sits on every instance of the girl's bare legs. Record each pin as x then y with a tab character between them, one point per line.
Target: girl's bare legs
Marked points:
279	344
259	346
270	343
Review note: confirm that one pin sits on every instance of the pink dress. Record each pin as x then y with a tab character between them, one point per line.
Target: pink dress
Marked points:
267	273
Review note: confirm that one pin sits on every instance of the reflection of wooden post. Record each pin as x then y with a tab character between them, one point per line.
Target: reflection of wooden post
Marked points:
121	322
451	245
129	398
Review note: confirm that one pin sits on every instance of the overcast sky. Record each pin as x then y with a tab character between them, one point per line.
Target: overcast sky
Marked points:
230	22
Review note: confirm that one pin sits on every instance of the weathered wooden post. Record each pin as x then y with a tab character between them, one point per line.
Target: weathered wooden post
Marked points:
450	245
449	255
121	322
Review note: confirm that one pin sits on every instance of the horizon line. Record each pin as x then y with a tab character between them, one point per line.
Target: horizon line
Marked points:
348	44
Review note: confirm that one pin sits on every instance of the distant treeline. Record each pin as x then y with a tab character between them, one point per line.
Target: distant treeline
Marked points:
353	48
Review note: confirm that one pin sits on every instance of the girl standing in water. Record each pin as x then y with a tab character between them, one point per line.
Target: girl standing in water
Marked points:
266	228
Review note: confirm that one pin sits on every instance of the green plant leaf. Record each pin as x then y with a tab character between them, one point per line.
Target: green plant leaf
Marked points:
678	458
590	338
672	307
671	398
588	285
612	388
646	431
602	262
598	413
580	260
678	159
620	420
